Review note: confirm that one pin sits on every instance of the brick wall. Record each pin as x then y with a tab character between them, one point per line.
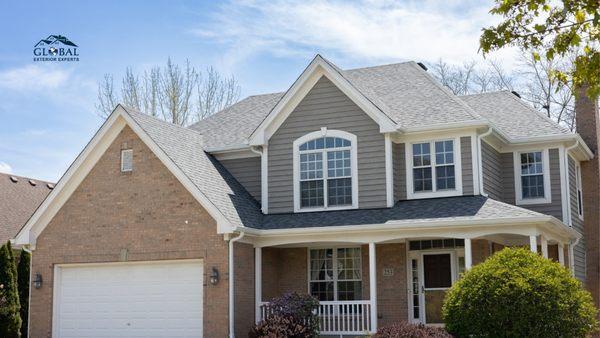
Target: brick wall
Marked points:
588	126
146	212
244	288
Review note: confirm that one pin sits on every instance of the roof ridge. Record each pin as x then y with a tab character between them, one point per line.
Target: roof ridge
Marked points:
383	65
487	93
130	110
25	177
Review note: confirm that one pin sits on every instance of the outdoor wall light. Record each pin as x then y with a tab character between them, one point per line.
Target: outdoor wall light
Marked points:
37	281
214	276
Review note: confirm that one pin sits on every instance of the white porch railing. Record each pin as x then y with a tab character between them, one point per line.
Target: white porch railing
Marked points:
337	317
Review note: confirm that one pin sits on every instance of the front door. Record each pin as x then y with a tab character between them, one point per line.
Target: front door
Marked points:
431	275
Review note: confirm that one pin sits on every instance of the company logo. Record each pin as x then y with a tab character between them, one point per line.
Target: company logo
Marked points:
55	48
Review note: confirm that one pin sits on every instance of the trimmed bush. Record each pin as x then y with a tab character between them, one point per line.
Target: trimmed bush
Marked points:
517	293
291	313
276	326
23	284
10	319
408	330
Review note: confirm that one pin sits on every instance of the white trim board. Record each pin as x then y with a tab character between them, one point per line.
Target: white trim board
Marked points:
84	163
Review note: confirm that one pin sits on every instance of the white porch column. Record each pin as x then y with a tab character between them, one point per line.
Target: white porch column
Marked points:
561	254
468	254
373	286
544	245
571	259
257	282
533	243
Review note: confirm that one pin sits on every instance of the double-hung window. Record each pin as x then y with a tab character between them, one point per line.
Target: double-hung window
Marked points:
335	274
532	177
435	169
325	171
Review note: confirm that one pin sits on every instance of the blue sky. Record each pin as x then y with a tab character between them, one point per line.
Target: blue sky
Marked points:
47	110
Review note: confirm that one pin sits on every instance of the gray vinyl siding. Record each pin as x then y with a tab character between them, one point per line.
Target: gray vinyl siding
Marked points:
326	106
492	171
399	159
508	176
466	159
579	249
247	172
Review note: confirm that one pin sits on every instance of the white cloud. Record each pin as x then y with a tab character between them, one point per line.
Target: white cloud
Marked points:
5	168
34	77
376	31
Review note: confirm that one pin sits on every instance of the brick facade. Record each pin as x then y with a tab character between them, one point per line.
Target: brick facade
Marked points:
146	213
588	126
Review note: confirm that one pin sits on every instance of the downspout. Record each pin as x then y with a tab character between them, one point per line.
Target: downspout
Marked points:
231	285
567	183
480	161
255	150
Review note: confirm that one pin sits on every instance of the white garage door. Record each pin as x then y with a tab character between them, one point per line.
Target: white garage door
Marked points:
129	300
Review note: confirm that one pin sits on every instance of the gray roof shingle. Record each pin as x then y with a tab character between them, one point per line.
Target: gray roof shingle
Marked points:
18	201
404	92
512	116
185	148
463	208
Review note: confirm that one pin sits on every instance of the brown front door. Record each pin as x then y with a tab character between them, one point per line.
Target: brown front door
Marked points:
437	279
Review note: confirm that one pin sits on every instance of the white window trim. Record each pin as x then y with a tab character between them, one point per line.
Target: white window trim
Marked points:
546	172
324	132
578	189
334	267
458	188
123	152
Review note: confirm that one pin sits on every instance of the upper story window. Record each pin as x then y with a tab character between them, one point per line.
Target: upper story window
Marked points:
579	191
532	177
434	169
325	171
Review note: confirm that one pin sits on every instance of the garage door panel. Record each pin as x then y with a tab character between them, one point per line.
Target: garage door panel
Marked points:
130	300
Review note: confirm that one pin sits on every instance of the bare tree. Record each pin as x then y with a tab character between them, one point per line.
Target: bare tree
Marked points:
472	77
180	95
545	92
215	93
107	99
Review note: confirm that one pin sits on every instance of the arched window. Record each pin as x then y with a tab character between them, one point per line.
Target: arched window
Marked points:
325	171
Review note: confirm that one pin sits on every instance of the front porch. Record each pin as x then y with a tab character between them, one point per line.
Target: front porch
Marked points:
381	277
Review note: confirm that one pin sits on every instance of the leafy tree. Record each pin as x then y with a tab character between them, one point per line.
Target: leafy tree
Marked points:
517	293
558	28
10	319
23	285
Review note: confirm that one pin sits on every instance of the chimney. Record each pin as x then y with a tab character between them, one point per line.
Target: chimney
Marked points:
588	126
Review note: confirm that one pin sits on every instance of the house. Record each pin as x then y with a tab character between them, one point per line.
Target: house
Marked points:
19	197
371	189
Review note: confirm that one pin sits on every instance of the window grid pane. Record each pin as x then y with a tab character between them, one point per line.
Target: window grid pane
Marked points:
339	192
347	277
532	175
423	173
311	194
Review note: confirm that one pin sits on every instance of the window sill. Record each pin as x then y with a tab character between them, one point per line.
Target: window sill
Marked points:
346	207
434	194
530	201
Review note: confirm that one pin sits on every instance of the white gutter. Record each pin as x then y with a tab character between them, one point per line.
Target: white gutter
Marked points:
231	285
480	159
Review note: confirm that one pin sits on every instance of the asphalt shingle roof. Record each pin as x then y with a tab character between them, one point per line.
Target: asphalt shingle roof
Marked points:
512	116
463	208
185	148
18	201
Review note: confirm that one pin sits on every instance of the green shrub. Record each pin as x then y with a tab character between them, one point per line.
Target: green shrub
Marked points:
10	319
516	293
23	285
408	330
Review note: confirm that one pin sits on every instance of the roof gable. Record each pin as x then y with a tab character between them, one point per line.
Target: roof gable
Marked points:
316	69
179	149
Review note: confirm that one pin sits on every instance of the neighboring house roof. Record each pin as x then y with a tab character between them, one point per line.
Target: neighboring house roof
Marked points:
184	147
513	117
463	208
403	91
19	197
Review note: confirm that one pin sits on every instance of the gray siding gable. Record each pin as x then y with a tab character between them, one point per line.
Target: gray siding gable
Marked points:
247	172
579	249
466	159
327	106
